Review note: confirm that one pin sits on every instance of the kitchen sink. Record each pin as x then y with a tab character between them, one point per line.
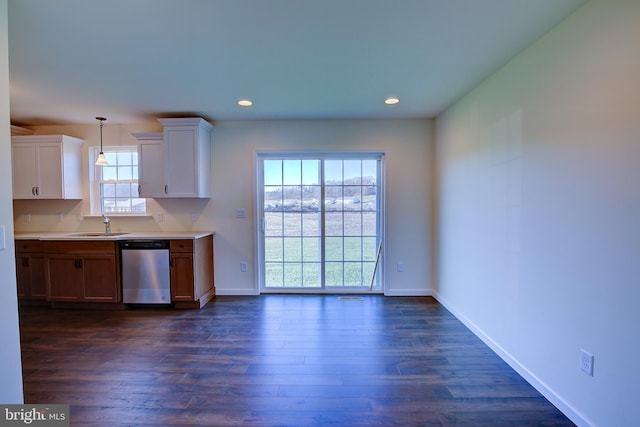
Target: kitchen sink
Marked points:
96	234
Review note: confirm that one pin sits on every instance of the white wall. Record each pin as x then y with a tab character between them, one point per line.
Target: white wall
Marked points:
538	230
10	363
408	147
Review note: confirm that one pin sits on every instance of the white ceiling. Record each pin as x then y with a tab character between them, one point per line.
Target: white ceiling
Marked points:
132	60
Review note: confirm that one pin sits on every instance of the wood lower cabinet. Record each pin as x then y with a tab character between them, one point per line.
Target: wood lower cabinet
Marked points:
68	272
30	275
86	271
191	261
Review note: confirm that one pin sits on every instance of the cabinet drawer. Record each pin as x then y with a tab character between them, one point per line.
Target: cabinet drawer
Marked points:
181	246
82	247
28	246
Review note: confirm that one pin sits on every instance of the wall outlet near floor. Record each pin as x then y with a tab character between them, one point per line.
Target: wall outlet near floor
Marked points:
586	362
243	267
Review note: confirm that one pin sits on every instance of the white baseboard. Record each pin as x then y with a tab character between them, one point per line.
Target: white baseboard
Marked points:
408	292
387	293
236	292
573	414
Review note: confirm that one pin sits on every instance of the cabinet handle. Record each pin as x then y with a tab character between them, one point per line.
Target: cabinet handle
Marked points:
33	191
139	189
37	191
80	263
26	262
166	189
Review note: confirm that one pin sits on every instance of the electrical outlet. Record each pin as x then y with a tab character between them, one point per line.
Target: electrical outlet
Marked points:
194	217
159	217
243	267
26	217
400	267
241	213
59	217
586	362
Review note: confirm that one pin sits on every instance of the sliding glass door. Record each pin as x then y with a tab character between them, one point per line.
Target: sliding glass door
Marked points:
320	219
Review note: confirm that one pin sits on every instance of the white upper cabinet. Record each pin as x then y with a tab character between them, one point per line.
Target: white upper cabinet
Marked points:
176	163
151	176
188	162
46	167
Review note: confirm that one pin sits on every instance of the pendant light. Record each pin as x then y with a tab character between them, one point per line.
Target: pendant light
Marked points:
101	160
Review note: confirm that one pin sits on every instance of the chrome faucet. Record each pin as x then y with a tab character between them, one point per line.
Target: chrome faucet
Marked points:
107	224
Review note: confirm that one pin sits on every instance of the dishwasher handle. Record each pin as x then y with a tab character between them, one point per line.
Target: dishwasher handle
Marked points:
144	244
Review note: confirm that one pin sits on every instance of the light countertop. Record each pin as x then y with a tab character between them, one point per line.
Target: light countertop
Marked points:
89	235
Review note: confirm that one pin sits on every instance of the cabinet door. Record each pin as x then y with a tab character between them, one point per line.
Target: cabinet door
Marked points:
100	281
182	277
182	162
64	277
23	276
50	179
151	170
24	167
30	276
36	269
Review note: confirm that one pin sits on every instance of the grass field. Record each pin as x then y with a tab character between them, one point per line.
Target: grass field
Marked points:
293	251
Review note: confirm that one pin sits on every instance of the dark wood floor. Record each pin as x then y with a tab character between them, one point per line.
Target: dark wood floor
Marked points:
275	360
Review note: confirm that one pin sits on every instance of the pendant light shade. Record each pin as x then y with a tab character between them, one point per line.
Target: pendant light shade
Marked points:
101	160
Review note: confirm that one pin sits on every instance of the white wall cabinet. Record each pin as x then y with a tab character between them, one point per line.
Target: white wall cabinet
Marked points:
46	167
151	176
177	162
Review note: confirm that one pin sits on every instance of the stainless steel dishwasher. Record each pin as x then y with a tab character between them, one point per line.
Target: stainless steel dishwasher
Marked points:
145	272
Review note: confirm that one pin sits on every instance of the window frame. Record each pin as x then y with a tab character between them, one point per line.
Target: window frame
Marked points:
95	195
259	158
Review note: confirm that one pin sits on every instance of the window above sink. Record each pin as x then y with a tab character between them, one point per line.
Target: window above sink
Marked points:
114	187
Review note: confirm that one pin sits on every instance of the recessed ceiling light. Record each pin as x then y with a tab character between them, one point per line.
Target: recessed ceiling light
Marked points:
391	101
245	103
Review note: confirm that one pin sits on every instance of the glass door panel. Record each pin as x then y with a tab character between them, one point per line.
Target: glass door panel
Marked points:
321	222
